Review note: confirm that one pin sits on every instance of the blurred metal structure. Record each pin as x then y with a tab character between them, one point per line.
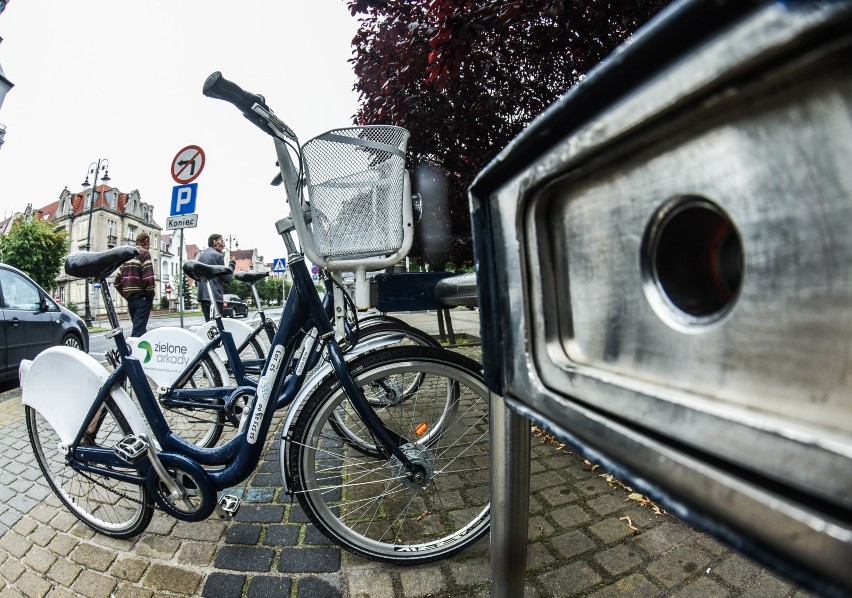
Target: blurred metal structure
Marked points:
665	274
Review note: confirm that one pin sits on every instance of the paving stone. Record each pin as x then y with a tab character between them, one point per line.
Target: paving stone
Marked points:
619	559
319	587
538	556
94	585
422	580
678	565
314	537
33	585
11	570
260	513
309	560
128	591
572	543
606	504
297	515
63	521
539	527
259	495
559	495
267	587
39	559
706	588
473	572
224	585
664	537
130	569
161	524
42	513
158	547
209	530
632	586
570	579
42	536
366	582
281	535
736	569
244	558
173	579
26	526
243	534
62	545
92	557
611	530
570	516
196	553
767	585
267	479
15	544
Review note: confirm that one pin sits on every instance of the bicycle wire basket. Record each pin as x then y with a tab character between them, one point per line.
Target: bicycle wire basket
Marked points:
354	178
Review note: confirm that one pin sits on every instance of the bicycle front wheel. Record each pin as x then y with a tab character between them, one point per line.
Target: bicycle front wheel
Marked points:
368	503
120	509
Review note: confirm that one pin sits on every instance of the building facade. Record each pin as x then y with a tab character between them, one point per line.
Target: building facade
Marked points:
116	219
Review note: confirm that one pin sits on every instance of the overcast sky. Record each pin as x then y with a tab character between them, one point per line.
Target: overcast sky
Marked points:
122	80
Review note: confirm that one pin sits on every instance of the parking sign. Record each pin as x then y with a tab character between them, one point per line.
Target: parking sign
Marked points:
183	199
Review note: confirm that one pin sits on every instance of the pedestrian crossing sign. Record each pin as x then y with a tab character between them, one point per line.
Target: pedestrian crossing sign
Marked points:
279	265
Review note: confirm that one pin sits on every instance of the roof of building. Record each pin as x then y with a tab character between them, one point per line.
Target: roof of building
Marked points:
78	203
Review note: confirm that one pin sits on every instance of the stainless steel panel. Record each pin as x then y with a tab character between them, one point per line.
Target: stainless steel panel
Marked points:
673	285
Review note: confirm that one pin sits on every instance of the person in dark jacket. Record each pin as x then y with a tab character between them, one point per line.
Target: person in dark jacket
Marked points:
212	255
135	282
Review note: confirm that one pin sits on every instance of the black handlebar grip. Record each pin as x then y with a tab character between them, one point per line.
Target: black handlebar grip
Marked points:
216	86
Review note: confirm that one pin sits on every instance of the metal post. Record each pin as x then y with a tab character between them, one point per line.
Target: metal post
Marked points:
94	168
182	277
510	491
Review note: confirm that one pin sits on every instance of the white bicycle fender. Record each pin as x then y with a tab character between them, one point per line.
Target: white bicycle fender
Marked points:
61	383
239	330
165	352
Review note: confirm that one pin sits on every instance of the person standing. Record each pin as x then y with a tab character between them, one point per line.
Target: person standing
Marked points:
135	282
212	255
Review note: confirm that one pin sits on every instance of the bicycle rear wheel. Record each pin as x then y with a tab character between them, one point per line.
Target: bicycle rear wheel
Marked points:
365	502
120	509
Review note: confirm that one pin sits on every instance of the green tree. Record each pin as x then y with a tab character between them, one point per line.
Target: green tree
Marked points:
35	247
269	289
465	78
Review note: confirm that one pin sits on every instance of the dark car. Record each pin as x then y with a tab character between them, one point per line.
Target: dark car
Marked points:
31	321
233	306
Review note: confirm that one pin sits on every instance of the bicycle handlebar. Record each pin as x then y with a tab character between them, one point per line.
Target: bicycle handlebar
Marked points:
216	86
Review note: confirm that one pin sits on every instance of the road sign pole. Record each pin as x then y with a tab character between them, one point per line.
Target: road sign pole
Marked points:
182	277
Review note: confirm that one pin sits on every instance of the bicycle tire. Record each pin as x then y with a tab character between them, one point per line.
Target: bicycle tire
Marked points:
363	502
111	507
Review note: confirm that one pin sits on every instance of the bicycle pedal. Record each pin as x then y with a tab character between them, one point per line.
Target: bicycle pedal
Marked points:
131	449
227	506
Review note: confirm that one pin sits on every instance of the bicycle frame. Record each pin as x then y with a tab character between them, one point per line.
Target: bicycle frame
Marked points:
238	458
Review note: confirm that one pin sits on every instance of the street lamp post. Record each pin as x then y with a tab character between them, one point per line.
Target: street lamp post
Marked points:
95	168
231	240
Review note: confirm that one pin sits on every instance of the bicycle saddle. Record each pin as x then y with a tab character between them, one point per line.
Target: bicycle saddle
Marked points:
250	277
98	264
196	270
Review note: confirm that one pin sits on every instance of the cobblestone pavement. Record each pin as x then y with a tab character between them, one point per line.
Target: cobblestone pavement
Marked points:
587	538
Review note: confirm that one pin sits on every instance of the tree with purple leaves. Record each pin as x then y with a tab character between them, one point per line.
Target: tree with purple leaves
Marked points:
465	77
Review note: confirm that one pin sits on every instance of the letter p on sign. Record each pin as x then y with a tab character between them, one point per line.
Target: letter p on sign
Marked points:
183	199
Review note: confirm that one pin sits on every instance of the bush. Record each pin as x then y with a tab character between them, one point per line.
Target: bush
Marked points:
73	307
164	303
